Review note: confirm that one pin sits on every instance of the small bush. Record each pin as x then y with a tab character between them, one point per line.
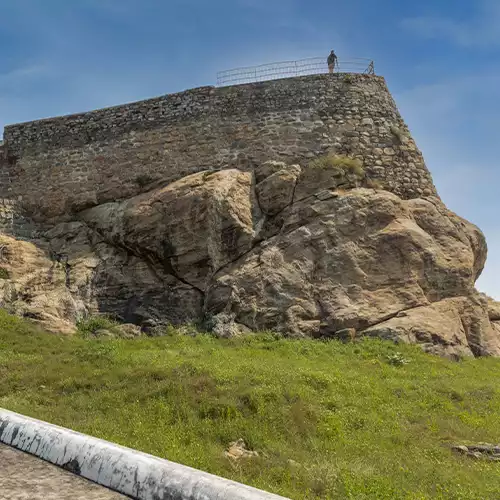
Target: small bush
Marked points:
218	410
144	180
88	327
348	79
4	274
397	359
344	164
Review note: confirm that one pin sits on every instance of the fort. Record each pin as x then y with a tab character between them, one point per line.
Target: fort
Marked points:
63	165
208	207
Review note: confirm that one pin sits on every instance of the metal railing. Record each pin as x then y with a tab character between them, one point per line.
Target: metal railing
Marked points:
285	69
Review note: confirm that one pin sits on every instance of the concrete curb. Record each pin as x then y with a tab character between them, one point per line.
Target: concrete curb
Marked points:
133	473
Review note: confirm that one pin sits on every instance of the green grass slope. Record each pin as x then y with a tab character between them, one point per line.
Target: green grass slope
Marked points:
328	420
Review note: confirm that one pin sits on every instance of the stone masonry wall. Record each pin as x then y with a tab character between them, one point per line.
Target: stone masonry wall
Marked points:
12	219
6	209
70	163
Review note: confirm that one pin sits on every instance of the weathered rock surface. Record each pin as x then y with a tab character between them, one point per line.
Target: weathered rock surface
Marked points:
455	327
484	451
191	228
37	286
238	450
281	248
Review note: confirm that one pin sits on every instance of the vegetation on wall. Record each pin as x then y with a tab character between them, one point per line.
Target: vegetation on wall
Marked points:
343	164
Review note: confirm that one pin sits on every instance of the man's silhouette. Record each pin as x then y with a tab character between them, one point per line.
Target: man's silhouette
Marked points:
332	61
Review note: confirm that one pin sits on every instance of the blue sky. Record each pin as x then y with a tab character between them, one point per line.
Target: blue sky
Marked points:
441	61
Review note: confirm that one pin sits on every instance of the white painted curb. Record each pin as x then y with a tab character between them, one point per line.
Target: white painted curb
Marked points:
133	473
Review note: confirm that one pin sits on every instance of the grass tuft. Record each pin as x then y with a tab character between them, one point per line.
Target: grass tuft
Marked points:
348	79
90	326
343	164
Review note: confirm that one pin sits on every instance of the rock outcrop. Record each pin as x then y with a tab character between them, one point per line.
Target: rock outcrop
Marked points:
304	252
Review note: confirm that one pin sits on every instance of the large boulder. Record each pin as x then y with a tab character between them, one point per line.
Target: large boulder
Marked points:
190	228
281	248
38	284
456	327
351	260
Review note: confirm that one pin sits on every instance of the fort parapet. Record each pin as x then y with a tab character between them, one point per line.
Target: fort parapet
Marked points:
69	163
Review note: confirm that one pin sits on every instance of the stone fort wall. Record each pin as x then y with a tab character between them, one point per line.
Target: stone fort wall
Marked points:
69	163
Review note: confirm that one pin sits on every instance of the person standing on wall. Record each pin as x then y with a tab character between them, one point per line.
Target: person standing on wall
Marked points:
332	61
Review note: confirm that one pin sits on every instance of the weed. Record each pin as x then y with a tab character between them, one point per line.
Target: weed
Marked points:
218	410
4	274
90	326
348	79
343	164
397	359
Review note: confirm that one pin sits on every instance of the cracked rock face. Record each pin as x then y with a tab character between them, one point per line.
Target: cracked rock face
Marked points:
280	248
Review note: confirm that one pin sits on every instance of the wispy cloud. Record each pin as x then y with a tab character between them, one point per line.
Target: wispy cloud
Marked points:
482	30
24	73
